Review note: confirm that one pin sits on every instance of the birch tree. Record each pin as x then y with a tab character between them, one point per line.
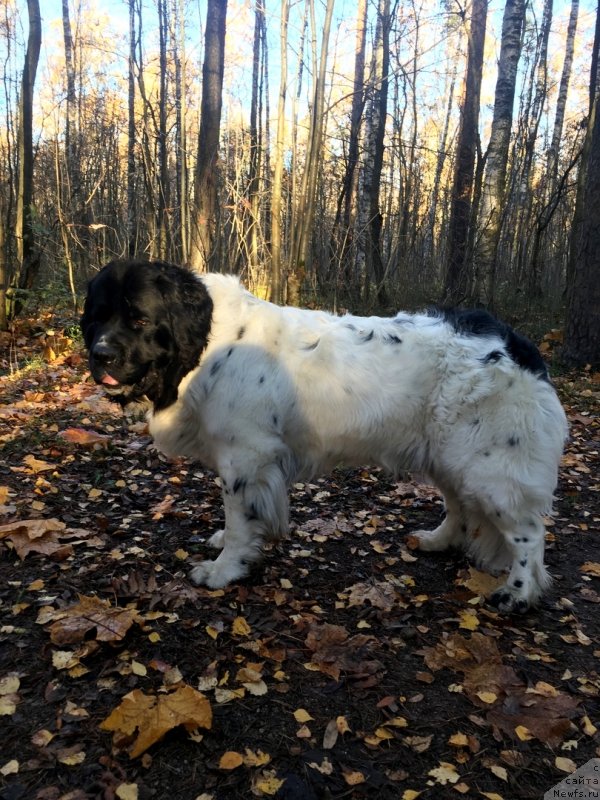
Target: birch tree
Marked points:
493	193
27	256
277	185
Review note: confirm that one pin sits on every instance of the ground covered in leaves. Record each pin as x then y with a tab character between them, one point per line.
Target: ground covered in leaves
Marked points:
348	666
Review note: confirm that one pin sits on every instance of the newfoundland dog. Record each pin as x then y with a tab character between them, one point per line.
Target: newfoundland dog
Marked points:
266	395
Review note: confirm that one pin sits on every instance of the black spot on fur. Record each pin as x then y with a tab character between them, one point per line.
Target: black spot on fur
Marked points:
312	346
229	352
393	339
368	336
518	584
525	539
261	379
523	563
241	333
239	483
513	441
477	322
275	420
215	368
499	598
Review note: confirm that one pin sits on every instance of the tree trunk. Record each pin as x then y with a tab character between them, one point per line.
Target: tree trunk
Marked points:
131	208
203	251
251	217
582	329
342	226
163	203
277	187
27	256
493	193
369	264
306	207
561	103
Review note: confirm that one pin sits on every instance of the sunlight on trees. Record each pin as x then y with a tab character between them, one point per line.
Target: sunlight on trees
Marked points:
393	153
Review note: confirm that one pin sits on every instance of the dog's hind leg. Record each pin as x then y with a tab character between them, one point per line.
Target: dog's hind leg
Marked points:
453	530
528	577
255	510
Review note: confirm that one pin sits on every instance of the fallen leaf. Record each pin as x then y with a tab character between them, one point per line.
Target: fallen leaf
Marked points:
565	764
73	623
84	437
301	715
37	536
146	718
353	777
127	791
445	773
266	783
231	760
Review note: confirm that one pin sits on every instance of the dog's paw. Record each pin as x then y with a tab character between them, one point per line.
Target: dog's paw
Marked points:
430	540
217	575
217	540
509	600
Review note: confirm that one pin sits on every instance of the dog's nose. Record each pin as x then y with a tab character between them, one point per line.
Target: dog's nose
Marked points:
103	352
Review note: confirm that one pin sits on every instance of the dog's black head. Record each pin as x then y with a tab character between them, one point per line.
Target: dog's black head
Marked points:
145	325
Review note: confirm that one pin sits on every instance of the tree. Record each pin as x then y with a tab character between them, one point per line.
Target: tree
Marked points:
203	251
277	185
493	193
342	227
582	328
457	278
27	256
302	235
561	103
369	262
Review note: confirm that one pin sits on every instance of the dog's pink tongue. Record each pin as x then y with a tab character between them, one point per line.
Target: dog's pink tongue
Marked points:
109	380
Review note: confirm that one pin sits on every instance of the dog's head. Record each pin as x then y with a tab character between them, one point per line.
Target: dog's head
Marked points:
145	325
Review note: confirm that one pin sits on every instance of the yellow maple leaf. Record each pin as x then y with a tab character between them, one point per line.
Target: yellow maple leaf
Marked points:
151	716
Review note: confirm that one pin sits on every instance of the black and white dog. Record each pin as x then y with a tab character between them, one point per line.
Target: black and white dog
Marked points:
266	395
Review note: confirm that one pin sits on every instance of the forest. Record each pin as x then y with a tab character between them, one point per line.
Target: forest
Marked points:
400	153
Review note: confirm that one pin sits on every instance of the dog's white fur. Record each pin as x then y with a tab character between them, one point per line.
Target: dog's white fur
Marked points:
283	393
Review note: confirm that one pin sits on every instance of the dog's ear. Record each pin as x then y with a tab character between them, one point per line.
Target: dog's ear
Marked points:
188	313
189	310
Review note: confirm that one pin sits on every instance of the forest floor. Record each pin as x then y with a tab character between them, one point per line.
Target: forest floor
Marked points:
350	665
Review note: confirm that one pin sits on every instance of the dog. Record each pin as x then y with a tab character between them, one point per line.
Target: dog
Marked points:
267	395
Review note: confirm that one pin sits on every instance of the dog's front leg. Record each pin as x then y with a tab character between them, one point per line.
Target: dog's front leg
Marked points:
254	510
240	545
